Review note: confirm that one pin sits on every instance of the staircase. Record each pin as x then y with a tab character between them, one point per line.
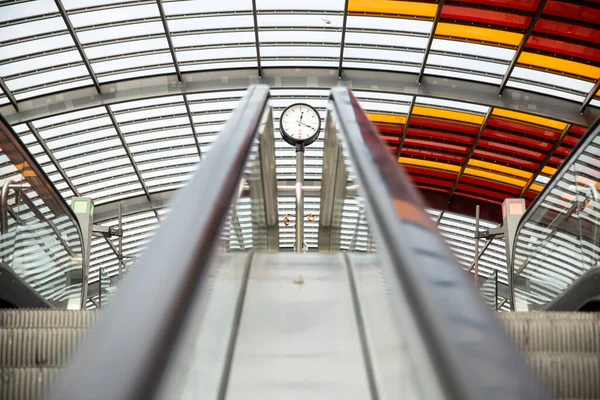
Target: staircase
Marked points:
563	349
34	347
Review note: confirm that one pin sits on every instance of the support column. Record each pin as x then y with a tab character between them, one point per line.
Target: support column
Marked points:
299	198
83	207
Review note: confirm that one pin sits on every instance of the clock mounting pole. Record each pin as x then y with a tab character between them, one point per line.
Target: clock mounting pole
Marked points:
299	196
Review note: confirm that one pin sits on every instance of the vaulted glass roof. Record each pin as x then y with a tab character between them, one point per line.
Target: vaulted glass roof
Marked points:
121	99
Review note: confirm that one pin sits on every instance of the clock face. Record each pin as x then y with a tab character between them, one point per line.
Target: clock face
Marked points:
300	123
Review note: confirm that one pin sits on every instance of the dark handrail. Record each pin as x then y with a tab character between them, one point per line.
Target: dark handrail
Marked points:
124	357
470	355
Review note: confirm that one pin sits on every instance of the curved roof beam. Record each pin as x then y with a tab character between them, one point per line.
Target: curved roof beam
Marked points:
300	78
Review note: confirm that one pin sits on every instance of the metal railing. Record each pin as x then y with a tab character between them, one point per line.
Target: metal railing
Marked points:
460	350
132	342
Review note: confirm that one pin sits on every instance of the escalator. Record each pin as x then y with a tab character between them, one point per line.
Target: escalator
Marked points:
379	309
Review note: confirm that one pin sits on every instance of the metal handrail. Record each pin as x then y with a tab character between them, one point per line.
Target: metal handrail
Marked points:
461	351
125	356
4	209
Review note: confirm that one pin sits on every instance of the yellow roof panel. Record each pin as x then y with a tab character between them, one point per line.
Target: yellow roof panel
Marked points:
532	119
387	119
492	176
409	8
447	114
478	34
548	171
429	164
536	188
560	65
499	168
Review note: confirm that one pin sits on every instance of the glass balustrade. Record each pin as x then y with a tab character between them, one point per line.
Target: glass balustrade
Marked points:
559	238
40	240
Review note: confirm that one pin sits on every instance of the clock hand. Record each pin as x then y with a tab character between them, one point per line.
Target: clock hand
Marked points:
302	123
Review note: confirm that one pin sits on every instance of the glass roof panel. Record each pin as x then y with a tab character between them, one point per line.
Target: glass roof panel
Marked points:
112	15
53	88
558	81
39	63
208	55
473	49
466	64
381	39
154	112
391	24
313	20
544	90
120	32
116	49
74	4
45	77
462	75
132	62
36	46
452	104
203	6
25	10
31	29
300	36
387	55
330	5
191	24
207	39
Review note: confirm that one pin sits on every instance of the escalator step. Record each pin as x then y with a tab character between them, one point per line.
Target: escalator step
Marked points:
569	376
550	315
23	318
49	347
554	334
26	383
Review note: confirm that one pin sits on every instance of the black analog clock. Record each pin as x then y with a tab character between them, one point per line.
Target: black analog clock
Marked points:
300	124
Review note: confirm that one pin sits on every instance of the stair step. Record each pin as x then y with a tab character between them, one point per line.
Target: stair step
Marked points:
49	347
554	332
34	318
26	383
570	376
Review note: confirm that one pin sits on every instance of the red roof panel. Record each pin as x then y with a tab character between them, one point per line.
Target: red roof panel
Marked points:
448	137
568	30
432	189
506	148
444	125
571	140
501	158
517	139
565	48
479	198
540	132
578	130
492	194
430	181
436	145
486	17
431	172
489	184
390	129
572	11
526	5
432	155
